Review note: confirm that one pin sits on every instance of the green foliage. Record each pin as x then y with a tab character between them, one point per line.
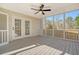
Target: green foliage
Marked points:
77	20
69	18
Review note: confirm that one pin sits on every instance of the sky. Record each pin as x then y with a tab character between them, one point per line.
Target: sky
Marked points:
73	14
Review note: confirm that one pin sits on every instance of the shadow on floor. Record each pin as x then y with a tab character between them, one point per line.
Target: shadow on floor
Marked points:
65	46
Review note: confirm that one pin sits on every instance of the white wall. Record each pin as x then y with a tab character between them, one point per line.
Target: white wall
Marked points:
36	27
35	23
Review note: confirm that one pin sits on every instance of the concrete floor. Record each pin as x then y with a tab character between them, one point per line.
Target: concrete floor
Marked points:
44	46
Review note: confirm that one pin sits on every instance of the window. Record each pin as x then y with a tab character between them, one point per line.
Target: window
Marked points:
59	25
49	22
72	20
59	21
17	27
27	27
49	25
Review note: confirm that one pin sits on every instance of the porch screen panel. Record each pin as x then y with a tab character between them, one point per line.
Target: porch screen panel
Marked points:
49	26
3	22
17	27
72	24
27	27
59	26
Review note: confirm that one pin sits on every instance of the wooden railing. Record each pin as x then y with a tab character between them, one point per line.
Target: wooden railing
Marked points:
67	34
71	35
3	36
48	32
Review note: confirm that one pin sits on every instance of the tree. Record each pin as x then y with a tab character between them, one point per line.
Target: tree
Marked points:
69	22
77	20
60	24
49	26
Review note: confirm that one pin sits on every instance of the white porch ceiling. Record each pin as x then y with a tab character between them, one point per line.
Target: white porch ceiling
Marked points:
25	8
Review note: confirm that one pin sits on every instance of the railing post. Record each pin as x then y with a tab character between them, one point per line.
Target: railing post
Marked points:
2	37
7	36
64	28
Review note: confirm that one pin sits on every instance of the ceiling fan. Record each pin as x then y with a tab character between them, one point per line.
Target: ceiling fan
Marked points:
41	9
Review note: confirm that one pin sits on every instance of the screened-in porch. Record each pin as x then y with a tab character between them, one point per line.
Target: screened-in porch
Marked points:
55	33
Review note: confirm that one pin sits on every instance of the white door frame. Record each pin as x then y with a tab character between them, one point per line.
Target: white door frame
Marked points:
13	27
29	27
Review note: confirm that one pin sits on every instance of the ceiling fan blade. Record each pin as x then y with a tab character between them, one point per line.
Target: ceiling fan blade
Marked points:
37	12
42	6
34	9
47	10
43	13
